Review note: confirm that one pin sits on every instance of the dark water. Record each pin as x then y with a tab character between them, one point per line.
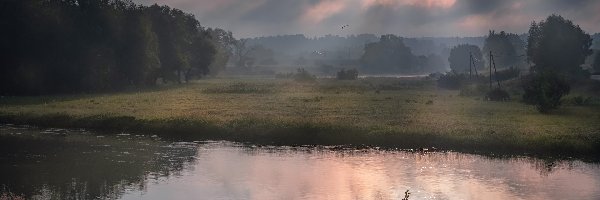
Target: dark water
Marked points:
76	164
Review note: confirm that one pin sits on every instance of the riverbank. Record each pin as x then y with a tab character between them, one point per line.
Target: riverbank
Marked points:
387	112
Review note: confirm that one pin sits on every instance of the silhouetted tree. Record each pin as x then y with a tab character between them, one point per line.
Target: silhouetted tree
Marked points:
351	74
502	45
223	42
558	45
66	46
241	51
596	64
459	58
431	63
388	55
262	55
202	54
139	52
596	41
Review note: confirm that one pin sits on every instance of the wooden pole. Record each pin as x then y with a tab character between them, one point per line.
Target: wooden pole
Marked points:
490	70
470	61
474	66
495	71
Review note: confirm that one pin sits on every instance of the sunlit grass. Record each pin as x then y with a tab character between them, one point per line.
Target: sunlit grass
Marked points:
404	113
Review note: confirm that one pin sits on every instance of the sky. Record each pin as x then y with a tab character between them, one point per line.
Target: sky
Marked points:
408	18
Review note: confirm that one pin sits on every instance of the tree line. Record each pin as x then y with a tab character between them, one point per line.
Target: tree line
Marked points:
554	55
391	55
69	46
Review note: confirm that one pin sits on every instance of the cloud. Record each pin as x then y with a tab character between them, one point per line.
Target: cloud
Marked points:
400	3
323	10
251	18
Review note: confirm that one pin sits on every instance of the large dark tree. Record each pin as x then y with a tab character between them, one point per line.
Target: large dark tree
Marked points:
459	58
68	46
557	47
556	44
388	55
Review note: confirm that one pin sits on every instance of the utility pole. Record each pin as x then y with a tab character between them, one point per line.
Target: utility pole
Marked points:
474	66
470	61
493	63
496	72
490	70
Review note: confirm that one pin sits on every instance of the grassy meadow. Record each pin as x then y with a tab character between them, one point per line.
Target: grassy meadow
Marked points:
387	112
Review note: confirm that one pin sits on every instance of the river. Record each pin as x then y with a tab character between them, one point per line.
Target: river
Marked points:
78	164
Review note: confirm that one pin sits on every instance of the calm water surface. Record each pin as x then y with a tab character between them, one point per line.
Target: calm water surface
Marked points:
76	164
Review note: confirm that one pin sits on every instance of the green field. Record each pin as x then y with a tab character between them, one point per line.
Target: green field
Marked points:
387	112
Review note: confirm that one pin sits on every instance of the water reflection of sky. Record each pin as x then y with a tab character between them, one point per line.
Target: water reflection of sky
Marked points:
224	171
61	164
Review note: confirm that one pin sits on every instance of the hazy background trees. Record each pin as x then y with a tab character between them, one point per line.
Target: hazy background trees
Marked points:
388	55
596	65
508	49
223	42
459	58
391	55
54	46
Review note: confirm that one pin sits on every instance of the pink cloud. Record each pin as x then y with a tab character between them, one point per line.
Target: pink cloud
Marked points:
420	3
323	10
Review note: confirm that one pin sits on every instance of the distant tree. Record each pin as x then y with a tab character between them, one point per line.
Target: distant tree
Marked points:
520	47
388	55
596	41
431	63
203	52
459	58
596	64
502	47
262	55
558	45
223	42
241	51
304	76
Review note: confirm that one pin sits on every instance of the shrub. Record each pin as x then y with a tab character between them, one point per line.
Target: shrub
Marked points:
454	81
351	74
451	81
497	95
303	76
580	100
545	90
507	74
435	75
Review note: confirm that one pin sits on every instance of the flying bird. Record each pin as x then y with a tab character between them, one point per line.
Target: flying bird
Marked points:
345	26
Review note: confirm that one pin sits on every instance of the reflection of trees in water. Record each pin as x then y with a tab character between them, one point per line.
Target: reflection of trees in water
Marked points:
47	166
547	167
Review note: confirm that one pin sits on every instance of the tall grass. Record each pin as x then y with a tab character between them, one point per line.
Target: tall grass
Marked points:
403	114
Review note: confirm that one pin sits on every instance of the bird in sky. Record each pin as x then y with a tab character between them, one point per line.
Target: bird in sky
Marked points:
345	26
